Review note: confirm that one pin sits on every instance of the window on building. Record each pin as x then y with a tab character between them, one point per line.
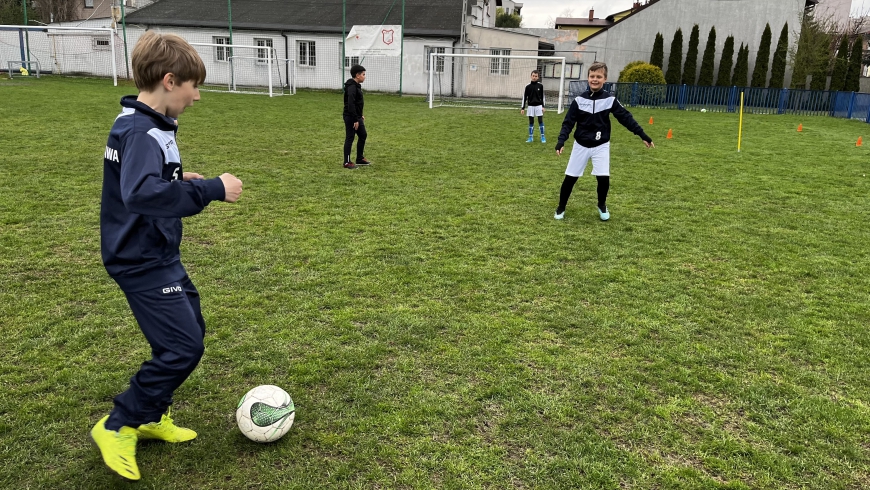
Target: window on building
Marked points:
439	60
263	54
554	70
349	61
89	4
307	53
500	66
221	53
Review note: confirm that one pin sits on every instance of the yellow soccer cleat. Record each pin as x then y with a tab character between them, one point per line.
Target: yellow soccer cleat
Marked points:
118	449
165	430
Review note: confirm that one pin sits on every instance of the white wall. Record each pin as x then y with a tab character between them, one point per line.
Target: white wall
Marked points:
836	10
382	72
632	39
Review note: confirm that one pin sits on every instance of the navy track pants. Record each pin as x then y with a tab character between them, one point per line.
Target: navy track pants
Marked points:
171	320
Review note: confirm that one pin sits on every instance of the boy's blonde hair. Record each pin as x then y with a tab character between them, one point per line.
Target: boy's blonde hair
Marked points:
598	65
155	55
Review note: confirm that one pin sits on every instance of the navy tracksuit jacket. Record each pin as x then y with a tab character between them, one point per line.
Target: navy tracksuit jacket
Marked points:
143	201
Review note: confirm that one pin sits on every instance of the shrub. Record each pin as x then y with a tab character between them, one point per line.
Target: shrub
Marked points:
629	67
643	73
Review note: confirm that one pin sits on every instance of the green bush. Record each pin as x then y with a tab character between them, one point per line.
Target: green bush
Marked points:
629	67
643	73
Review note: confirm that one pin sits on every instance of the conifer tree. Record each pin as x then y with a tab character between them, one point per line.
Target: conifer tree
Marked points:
841	65
658	52
705	79
853	76
690	69
741	69
777	69
726	63
762	59
675	60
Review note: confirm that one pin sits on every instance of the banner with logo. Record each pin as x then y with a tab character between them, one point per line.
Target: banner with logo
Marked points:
374	41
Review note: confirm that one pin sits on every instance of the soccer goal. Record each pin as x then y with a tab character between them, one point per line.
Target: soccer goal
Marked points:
66	51
492	80
246	69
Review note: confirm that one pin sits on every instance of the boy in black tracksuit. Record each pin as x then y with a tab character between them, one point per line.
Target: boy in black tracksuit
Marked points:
145	195
354	121
533	96
590	112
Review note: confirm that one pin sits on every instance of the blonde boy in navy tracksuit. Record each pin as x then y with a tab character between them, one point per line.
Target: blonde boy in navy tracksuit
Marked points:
145	195
590	113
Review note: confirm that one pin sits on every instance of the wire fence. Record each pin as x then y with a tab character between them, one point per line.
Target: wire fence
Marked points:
846	105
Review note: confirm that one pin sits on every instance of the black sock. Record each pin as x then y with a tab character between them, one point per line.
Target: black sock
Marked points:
567	187
603	187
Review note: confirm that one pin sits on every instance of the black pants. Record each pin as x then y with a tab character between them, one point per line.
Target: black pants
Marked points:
171	320
348	139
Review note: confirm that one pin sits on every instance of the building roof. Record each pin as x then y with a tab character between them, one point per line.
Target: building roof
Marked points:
582	22
422	17
611	24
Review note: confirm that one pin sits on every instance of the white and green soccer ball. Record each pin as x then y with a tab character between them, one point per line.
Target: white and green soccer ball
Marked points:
703	110
265	413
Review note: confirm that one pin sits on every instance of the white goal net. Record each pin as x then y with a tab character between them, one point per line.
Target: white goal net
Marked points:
495	81
66	51
246	69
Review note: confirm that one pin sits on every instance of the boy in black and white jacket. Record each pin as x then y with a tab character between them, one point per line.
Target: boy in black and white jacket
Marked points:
533	97
590	113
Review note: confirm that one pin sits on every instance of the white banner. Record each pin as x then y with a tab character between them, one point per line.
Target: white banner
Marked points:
374	41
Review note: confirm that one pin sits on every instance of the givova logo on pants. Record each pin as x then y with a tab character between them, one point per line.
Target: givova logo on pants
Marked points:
172	289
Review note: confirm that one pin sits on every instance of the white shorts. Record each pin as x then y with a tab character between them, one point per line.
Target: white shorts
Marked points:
535	110
580	156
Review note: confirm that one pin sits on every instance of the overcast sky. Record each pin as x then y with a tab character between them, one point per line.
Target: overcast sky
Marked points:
535	12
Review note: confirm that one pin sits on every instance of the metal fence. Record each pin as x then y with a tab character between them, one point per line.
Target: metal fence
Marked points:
846	105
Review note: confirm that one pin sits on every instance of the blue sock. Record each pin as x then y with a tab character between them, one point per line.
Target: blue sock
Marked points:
542	130
531	130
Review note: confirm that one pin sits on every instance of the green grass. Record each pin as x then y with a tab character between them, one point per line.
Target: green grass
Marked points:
434	325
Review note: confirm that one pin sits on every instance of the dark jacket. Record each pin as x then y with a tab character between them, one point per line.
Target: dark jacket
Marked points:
590	112
144	199
534	95
353	100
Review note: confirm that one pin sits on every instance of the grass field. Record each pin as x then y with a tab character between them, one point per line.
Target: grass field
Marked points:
434	325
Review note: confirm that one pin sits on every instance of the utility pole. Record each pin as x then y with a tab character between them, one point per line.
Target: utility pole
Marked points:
462	33
124	28
26	36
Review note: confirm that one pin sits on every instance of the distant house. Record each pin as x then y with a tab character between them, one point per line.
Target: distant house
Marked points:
483	12
85	10
586	27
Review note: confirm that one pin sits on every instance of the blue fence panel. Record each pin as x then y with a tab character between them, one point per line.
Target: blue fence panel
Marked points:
756	100
809	103
842	104
861	107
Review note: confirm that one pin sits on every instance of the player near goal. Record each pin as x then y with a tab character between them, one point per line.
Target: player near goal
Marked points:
145	195
533	98
590	113
354	120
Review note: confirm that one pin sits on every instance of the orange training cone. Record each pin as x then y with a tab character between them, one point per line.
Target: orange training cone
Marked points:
859	143
650	120
670	134
800	128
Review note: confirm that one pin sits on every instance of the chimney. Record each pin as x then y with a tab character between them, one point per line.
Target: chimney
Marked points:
636	6
592	13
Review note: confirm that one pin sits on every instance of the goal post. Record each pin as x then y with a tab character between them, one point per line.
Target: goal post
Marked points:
246	69
65	51
492	80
